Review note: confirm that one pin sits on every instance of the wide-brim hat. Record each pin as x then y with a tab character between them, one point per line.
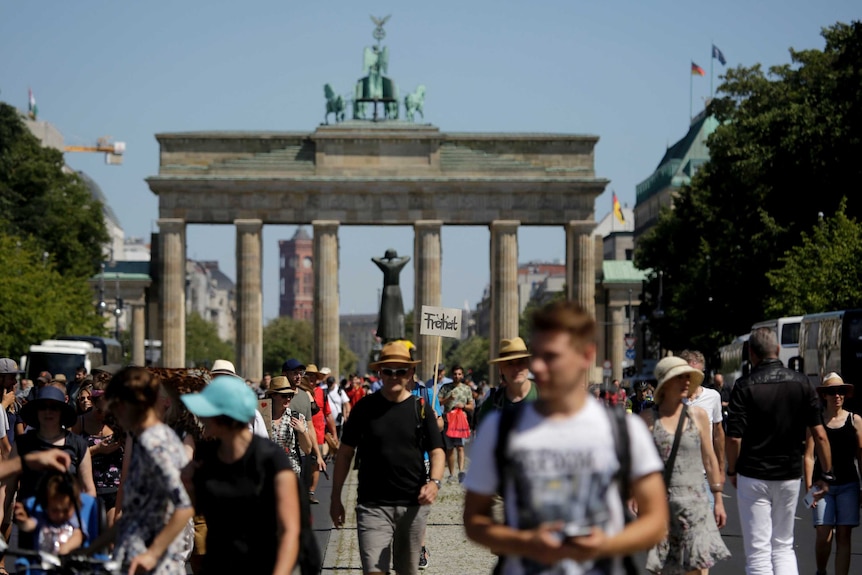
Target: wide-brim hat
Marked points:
835	381
45	395
672	366
311	368
224	395
511	349
280	385
394	352
223	367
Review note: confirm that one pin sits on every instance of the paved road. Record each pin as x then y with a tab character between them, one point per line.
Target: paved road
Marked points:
444	532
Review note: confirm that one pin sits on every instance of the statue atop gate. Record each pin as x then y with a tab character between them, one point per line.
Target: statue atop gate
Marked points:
375	89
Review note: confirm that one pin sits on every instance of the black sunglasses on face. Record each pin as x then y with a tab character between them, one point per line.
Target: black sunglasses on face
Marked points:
400	372
834	392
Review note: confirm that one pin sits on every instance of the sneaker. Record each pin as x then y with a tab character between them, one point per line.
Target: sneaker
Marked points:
312	499
461	476
423	558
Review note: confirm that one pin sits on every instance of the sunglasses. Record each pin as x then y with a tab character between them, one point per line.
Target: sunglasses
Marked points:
834	392
400	372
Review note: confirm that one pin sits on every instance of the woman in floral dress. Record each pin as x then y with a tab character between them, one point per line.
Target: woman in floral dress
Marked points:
156	507
693	544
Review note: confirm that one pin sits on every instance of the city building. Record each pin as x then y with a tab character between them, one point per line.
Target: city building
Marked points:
359	333
212	295
296	276
675	170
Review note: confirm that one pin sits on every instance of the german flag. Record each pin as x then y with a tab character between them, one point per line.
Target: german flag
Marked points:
618	210
697	70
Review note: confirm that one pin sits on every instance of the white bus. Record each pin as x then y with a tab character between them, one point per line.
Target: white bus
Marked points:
832	341
787	331
733	360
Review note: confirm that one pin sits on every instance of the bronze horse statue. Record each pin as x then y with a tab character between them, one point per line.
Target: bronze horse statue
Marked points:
334	104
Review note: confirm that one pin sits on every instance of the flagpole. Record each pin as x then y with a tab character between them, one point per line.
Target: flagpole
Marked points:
690	94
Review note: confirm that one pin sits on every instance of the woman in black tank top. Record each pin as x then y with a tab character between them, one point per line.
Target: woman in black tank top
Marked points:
838	510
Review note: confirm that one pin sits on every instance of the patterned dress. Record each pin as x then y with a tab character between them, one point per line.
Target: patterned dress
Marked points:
151	493
693	541
285	436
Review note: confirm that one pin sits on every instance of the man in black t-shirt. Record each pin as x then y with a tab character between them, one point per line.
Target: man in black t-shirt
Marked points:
392	429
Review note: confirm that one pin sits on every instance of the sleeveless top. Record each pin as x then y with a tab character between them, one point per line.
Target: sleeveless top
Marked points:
106	467
845	444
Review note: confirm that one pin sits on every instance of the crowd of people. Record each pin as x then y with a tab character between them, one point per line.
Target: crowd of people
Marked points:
560	477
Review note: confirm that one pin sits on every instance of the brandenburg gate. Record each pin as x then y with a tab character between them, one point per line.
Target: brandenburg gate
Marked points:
382	171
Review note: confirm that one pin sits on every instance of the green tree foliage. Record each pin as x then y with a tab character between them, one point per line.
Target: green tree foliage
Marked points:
346	358
531	307
203	344
787	147
823	273
472	355
36	301
42	200
285	337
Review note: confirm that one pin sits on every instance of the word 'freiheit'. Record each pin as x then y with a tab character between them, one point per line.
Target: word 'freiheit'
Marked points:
441	321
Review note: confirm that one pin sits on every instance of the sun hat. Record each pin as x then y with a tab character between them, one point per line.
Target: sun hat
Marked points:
61	377
45	395
280	385
511	349
672	366
325	371
223	367
224	395
110	368
394	352
292	364
834	381
9	365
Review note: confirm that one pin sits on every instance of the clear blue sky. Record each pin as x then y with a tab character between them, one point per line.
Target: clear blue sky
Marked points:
620	70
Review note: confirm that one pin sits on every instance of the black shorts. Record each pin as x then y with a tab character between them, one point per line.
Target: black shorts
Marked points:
452	442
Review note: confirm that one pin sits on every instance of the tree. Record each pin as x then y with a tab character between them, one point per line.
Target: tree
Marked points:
41	199
822	273
472	355
203	344
347	359
283	338
36	301
786	147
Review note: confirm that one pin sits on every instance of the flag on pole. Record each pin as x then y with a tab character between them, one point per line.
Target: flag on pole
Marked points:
697	70
618	210
718	55
32	108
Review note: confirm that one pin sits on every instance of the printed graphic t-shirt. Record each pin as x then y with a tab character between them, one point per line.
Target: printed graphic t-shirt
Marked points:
560	470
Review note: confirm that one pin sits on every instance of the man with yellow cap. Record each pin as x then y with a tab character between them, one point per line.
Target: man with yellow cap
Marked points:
513	361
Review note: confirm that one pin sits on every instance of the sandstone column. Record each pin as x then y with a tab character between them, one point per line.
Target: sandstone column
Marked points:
618	327
139	330
326	328
249	299
505	310
581	264
427	258
172	237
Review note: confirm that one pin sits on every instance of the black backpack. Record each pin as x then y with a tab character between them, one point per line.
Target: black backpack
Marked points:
619	430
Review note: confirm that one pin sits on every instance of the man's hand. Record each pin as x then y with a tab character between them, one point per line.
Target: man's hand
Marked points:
336	512
8	398
589	546
49	460
546	544
428	493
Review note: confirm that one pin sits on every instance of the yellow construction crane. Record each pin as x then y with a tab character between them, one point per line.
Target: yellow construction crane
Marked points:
113	150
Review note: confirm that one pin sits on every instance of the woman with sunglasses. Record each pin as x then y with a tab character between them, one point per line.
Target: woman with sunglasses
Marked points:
289	427
836	512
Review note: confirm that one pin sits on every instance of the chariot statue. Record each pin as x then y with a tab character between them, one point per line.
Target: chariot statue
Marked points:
375	87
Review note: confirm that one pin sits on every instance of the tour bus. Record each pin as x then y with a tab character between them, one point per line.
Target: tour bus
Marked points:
832	341
787	330
733	360
112	350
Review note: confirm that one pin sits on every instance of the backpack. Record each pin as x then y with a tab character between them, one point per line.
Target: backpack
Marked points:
509	416
310	560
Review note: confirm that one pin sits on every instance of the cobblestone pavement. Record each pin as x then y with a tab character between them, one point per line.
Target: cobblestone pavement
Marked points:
450	551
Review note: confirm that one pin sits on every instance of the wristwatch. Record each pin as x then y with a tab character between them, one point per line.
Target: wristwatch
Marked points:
828	476
437	482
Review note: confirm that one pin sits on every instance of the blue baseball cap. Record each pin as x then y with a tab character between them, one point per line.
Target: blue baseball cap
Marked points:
292	364
224	395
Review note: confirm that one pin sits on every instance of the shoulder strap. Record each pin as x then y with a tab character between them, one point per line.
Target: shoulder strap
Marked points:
508	419
668	466
622	447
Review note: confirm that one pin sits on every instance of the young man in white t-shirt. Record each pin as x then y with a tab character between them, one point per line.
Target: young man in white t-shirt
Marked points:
710	401
564	512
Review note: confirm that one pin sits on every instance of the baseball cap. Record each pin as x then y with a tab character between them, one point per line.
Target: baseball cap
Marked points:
292	364
9	365
45	377
224	395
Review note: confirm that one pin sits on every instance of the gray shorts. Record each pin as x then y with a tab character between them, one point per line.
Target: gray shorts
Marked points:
391	534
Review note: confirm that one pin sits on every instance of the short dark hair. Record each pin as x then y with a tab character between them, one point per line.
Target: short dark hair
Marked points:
568	317
457	367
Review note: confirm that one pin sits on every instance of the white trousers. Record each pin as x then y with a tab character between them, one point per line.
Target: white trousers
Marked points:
766	511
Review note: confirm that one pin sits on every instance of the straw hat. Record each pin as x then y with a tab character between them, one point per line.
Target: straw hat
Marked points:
511	349
834	381
223	367
280	385
311	368
672	366
394	352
